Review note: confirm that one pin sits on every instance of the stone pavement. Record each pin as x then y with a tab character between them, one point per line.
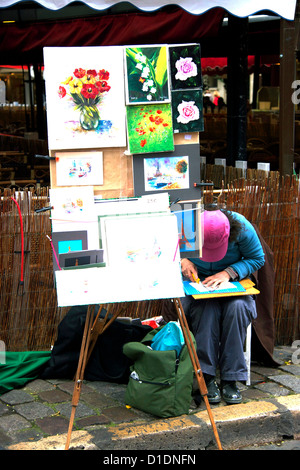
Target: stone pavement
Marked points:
36	417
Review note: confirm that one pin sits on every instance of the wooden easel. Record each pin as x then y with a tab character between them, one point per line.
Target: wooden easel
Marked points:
96	326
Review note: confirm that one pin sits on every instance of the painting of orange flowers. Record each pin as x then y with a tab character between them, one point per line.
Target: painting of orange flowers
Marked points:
85	97
150	128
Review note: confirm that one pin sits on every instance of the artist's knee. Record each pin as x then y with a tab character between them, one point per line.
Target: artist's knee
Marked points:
239	309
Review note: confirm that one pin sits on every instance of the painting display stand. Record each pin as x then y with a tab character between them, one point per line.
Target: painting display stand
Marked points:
94	326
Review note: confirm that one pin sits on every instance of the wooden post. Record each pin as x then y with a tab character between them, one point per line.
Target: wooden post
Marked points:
287	111
237	88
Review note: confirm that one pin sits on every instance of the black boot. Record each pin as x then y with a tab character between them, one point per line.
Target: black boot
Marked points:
230	392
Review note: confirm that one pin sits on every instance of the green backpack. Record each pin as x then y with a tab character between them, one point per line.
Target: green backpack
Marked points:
160	383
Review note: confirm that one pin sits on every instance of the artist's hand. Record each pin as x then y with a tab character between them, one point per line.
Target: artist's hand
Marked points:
189	270
216	279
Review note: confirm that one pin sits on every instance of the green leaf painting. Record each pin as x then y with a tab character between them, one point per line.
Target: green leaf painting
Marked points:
185	66
147	75
150	128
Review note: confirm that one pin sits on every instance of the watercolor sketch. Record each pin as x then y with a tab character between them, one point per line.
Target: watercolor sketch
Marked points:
72	204
79	168
122	283
185	66
166	173
147	74
85	97
187	107
139	239
150	128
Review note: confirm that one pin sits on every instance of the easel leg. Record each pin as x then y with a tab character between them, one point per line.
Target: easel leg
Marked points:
196	365
90	335
87	345
80	368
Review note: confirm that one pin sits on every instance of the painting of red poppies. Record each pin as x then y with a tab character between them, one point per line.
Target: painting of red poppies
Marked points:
85	97
150	128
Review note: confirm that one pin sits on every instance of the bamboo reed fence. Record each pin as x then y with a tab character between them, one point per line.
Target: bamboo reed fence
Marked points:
271	202
29	315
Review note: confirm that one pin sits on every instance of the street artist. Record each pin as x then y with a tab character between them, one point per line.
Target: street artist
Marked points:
231	251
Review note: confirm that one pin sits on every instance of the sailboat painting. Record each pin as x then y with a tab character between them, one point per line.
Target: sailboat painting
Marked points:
166	173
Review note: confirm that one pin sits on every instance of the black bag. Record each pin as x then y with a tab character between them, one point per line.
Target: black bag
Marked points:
107	361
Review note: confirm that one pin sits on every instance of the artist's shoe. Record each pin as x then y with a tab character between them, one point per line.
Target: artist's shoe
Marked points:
213	392
230	393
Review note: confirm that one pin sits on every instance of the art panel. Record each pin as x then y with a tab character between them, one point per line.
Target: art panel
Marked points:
67	242
185	66
186	158
150	128
141	238
189	228
166	173
85	97
147	74
79	168
187	109
125	283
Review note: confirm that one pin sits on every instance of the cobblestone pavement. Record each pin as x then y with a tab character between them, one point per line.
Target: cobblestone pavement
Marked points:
37	416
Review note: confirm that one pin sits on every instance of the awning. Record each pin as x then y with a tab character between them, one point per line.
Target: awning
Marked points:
26	42
241	8
218	65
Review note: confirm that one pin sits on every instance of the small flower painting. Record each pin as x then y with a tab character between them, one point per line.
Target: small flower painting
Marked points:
185	66
150	128
147	75
85	97
187	107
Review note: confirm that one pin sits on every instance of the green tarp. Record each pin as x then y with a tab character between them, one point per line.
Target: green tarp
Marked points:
18	368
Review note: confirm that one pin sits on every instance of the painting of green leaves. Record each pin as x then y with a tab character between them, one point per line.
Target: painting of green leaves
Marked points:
150	128
185	66
147	74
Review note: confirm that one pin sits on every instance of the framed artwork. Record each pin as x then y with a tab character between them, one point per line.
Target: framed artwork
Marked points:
124	283
150	128
66	242
189	228
79	168
185	66
72	204
187	109
147	74
85	97
142	238
166	173
172	172
132	206
73	259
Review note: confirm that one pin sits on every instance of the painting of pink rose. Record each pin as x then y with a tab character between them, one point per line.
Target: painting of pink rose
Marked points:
185	66
187	110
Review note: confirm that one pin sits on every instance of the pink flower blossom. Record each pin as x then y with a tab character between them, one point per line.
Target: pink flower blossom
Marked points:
186	68
188	111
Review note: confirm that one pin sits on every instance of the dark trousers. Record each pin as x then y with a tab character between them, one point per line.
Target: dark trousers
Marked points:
220	326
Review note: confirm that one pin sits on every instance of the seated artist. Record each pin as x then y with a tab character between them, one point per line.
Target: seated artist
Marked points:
231	251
